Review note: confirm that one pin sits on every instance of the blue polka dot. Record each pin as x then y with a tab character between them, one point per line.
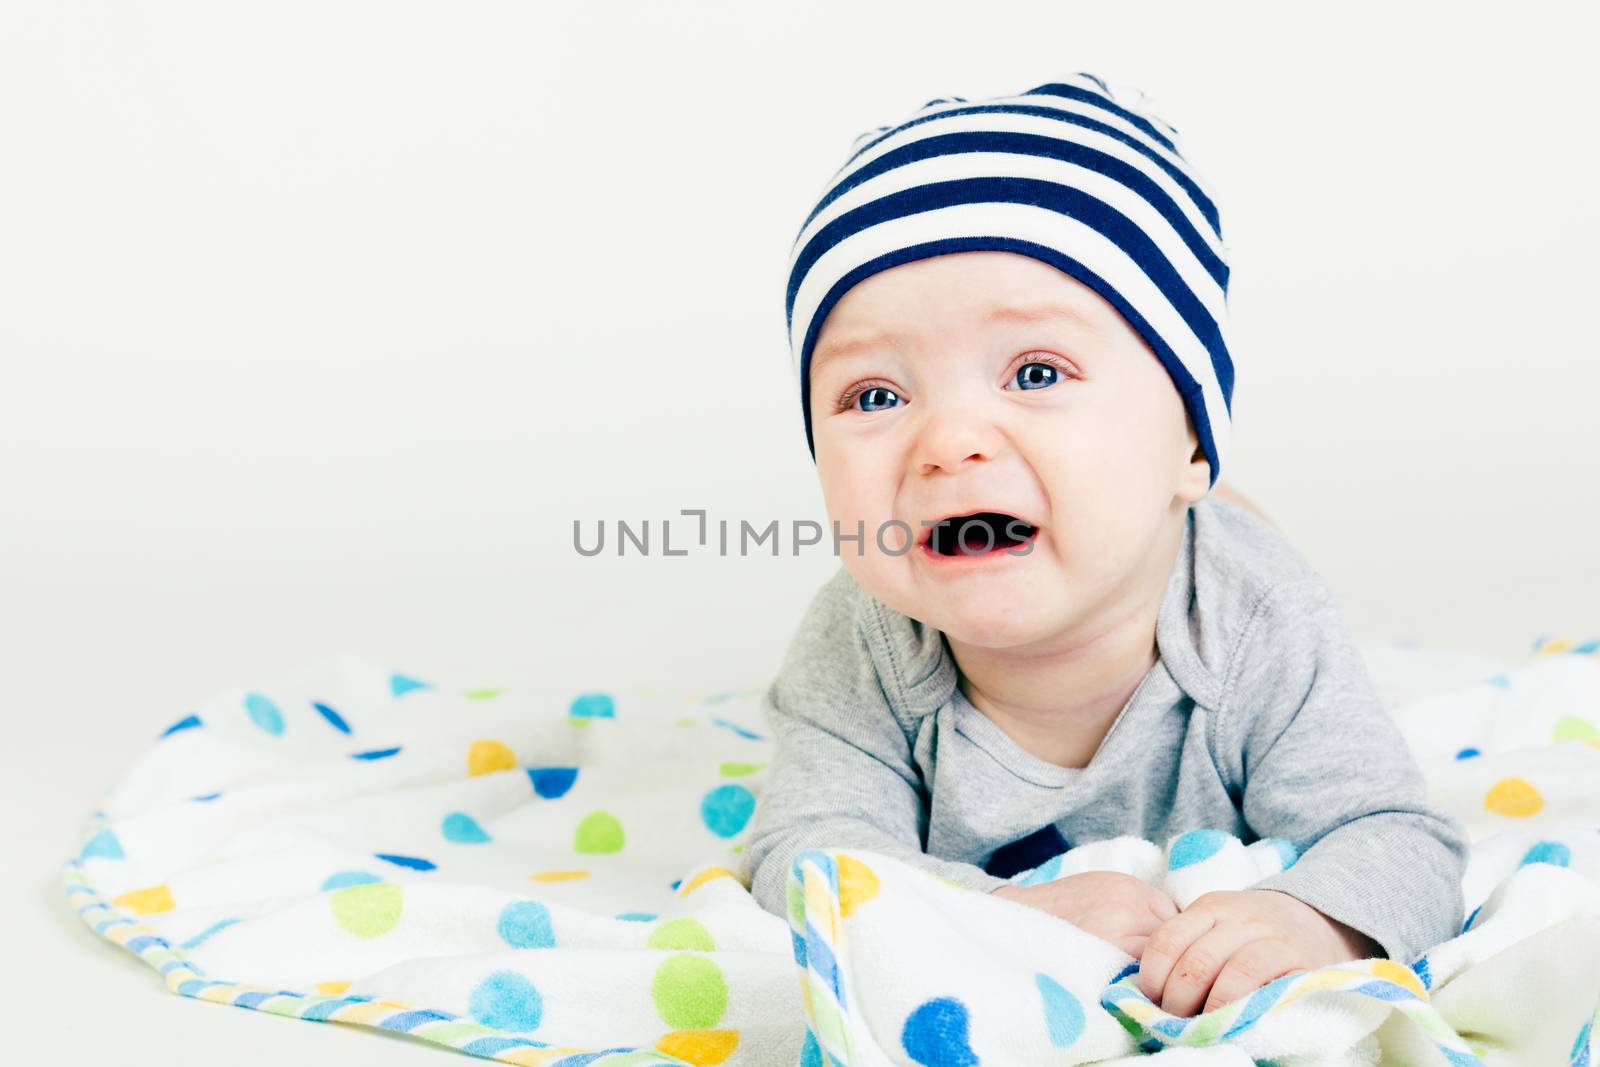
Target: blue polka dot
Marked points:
1499	680
463	829
1196	846
1063	1015
1045	872
264	713
935	1035
593	706
1552	852
189	723
1468	753
416	863
376	753
206	797
103	844
506	1001
334	718
1423	974
637	916
1468	924
399	684
727	808
1287	853
349	878
526	924
552	782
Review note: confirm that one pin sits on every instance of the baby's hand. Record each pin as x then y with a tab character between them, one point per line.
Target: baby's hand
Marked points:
1232	942
1111	905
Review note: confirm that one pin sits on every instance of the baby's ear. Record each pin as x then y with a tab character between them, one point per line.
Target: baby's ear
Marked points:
1194	481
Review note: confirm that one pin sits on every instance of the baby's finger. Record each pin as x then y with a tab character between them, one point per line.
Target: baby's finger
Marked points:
1197	968
1132	944
1162	906
1247	970
1168	942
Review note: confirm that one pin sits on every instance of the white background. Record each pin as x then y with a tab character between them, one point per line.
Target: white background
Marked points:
322	322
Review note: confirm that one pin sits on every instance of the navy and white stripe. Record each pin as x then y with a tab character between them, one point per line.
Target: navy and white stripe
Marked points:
1072	173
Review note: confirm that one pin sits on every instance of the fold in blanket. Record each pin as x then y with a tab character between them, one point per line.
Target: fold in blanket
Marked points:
552	878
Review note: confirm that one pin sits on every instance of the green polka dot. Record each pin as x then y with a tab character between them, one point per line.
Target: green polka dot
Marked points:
575	721
1572	728
598	832
686	722
739	770
369	910
483	694
682	934
689	993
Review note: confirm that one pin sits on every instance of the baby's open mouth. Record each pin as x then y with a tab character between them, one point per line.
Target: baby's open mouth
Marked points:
977	534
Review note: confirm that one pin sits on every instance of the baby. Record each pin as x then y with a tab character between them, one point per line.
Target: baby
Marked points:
1009	323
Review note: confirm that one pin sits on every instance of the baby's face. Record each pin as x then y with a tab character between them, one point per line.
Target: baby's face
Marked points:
930	399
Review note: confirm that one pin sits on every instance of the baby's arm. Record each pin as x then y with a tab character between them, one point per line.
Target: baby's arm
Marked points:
1322	764
842	773
1315	759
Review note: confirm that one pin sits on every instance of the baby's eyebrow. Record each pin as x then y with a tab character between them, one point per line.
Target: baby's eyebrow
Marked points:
838	349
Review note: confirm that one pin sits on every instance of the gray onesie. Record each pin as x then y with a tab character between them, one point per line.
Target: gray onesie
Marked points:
1258	718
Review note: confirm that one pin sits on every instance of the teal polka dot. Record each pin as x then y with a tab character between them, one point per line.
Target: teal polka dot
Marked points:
1063	1015
1552	852
506	1001
727	808
1045	872
1287	853
1196	846
103	844
463	829
526	924
399	684
263	712
344	879
593	706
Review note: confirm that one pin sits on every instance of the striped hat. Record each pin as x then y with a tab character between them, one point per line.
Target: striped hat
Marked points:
1071	173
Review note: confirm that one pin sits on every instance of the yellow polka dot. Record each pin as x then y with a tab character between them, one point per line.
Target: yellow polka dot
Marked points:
700	1047
702	878
486	757
857	884
1404	977
1515	797
146	901
1560	644
331	989
558	876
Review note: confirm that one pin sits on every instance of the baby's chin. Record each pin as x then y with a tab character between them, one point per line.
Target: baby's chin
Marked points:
999	628
997	615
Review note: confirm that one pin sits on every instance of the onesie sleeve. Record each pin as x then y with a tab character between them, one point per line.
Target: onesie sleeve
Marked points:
1321	763
842	773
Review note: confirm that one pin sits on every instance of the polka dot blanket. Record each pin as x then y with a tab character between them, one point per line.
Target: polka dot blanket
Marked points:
556	881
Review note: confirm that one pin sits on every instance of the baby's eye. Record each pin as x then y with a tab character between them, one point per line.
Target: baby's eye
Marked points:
877	394
1042	372
1037	375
